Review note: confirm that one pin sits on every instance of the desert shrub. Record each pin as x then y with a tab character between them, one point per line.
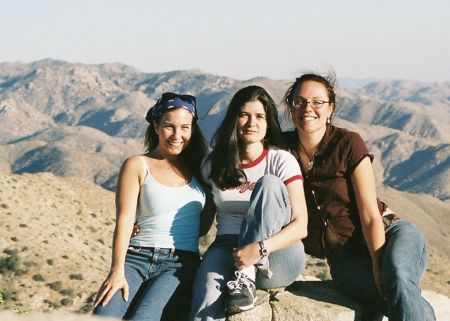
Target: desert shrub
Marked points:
93	215
14	239
76	276
66	301
50	262
10	263
20	272
9	295
1	298
24	248
68	292
23	225
38	277
3	205
51	304
90	299
101	241
65	257
87	308
324	275
20	309
57	285
321	263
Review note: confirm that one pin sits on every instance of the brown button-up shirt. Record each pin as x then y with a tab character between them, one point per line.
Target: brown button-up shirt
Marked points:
333	218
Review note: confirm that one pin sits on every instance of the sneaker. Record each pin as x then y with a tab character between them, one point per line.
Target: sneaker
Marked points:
241	293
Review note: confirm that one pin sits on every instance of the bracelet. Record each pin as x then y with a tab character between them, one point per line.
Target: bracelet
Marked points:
262	249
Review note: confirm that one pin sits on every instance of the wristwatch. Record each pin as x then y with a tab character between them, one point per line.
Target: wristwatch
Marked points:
262	249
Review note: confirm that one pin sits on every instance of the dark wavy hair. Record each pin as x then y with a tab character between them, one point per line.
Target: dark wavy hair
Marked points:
226	168
192	156
328	81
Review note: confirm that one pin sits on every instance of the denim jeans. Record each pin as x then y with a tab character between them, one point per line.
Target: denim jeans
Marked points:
160	284
268	213
403	264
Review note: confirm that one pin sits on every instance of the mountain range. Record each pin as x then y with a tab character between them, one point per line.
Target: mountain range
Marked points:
84	120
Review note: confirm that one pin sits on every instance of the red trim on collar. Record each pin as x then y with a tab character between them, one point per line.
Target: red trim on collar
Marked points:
256	161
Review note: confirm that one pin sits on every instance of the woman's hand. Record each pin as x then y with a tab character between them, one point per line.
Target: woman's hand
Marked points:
247	255
115	281
378	279
136	230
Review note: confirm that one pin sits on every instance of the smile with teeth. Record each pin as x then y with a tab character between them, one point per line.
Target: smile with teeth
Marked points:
175	143
308	117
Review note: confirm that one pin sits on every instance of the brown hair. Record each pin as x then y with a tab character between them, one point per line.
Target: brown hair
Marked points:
328	81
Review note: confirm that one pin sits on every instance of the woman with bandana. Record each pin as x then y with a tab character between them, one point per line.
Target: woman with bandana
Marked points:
151	275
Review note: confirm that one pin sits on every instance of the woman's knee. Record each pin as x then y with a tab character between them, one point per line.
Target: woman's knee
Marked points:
270	182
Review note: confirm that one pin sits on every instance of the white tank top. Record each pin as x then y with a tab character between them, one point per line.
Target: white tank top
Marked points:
168	217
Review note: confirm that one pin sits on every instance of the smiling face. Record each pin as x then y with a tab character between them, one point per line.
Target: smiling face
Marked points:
174	131
306	118
252	123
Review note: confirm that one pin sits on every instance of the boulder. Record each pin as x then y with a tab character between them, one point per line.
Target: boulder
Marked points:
310	299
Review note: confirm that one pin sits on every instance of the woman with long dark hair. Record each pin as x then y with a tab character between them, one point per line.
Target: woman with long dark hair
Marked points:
261	211
151	275
374	257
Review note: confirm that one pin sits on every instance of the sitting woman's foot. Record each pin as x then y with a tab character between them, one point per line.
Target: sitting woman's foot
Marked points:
241	294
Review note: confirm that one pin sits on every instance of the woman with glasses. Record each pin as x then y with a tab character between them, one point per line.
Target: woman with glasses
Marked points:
151	275
261	210
375	258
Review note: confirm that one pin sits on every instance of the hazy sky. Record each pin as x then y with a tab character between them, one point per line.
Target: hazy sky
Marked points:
402	39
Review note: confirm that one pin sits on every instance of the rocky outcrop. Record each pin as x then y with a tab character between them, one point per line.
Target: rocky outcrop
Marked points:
302	301
319	301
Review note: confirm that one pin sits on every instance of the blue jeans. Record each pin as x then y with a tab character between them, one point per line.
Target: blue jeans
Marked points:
268	213
403	264
160	284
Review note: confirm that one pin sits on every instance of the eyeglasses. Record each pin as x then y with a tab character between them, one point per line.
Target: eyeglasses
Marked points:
301	102
167	96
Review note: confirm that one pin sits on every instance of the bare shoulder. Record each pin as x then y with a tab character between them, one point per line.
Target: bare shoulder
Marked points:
135	160
134	165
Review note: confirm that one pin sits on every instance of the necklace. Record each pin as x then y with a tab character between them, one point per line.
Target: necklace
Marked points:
310	162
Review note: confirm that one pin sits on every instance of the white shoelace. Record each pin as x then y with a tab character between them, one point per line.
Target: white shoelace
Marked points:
240	281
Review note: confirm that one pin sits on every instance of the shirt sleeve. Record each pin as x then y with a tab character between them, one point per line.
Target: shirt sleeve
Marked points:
357	151
286	167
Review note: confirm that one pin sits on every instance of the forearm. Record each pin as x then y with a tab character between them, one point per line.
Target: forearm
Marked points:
374	236
291	233
121	241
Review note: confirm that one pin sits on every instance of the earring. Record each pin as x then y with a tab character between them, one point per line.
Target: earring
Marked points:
328	120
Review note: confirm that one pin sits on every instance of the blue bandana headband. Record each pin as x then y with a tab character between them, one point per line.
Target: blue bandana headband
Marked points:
169	101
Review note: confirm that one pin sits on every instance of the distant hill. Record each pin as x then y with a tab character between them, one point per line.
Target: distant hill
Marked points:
57	233
84	120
